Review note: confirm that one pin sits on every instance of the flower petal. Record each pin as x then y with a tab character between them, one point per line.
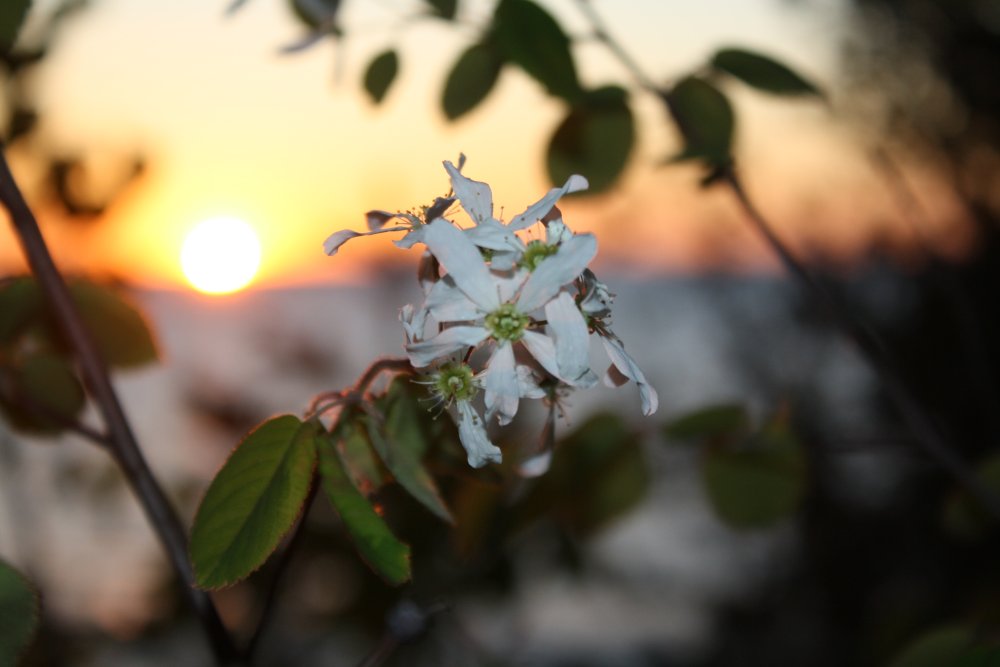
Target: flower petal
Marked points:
596	297
504	261
462	260
413	321
556	271
626	366
571	336
500	381
450	340
472	433
333	242
541	207
493	235
543	349
476	196
447	303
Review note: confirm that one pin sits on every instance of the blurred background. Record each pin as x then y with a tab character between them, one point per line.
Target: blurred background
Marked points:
130	124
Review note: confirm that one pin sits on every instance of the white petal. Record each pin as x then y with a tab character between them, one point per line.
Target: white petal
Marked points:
476	196
504	261
413	322
543	349
377	219
597	298
472	433
414	236
509	283
527	385
554	272
500	382
450	340
537	465
462	260
557	232
624	364
333	242
538	210
572	338
493	235
447	303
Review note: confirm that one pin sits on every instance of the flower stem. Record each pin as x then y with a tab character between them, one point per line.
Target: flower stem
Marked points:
122	445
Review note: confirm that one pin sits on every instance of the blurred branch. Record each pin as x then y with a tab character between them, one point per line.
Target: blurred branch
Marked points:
927	436
123	446
38	410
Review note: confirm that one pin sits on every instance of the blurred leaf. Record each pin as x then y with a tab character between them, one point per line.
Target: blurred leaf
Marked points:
471	79
358	457
119	330
758	484
954	646
316	13
963	514
529	37
46	394
18	614
376	544
380	74
253	501
716	420
20	305
403	445
444	8
598	473
594	140
12	15
705	120
477	504
762	72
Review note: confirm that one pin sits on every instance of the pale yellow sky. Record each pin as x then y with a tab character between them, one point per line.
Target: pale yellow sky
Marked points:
232	128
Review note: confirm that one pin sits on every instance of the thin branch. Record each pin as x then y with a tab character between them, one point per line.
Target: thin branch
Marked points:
927	435
122	443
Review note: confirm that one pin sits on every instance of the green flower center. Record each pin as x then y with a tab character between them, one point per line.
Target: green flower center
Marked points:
455	382
535	253
505	323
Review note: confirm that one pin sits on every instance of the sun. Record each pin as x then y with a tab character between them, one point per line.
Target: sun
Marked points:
220	255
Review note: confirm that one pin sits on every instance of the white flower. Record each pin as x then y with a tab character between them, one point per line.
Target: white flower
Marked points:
454	384
482	306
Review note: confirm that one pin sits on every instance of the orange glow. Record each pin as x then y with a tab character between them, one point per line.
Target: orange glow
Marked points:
220	255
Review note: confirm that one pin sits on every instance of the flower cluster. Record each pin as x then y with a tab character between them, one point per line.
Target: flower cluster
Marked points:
505	316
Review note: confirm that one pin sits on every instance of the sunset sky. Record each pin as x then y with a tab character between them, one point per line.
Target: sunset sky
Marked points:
291	145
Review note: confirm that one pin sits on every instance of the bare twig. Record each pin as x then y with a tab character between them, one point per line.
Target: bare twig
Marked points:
123	446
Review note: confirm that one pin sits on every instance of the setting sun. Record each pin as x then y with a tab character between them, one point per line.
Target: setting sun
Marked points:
220	255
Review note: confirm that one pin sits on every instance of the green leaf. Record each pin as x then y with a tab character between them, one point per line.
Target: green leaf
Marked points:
253	501
529	37
963	514
713	421
595	140
471	79
955	646
758	484
376	544
18	614
762	72
444	8
12	15
705	119
380	74
46	394
119	330
403	445
598	473
20	305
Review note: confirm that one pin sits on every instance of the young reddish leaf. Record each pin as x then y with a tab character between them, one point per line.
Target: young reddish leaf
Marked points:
41	393
529	37
402	447
376	544
12	15
594	140
253	501
705	120
119	330
471	79
380	74
762	72
18	614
